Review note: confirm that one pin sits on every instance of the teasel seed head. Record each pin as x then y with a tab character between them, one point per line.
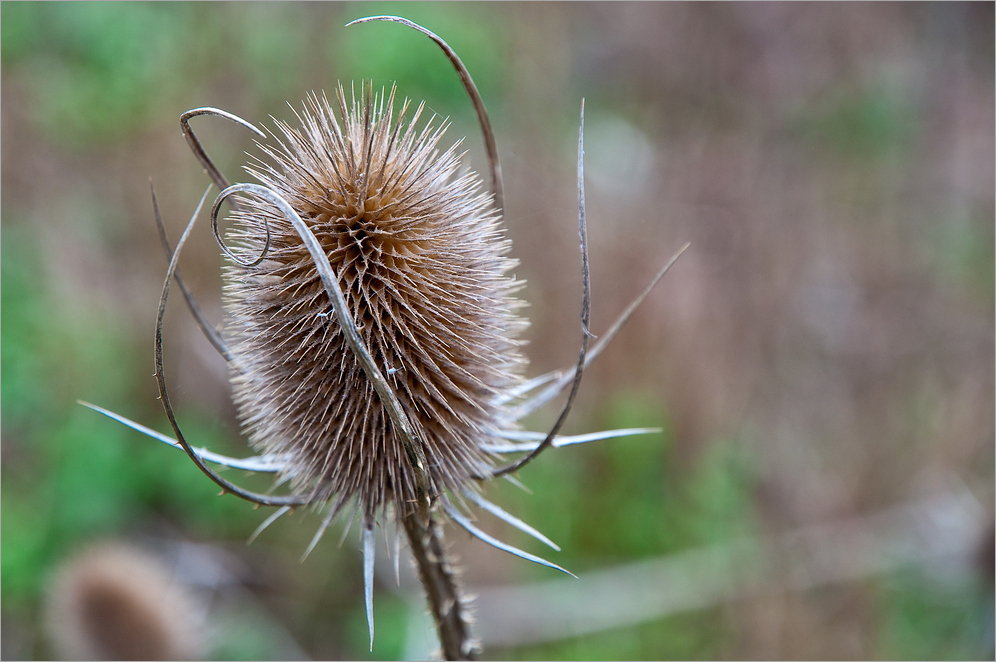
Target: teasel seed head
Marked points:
114	601
401	390
421	259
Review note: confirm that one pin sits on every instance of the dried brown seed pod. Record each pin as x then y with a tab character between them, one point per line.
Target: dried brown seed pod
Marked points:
115	602
421	260
373	333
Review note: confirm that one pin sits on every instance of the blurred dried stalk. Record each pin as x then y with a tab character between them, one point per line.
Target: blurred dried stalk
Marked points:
943	531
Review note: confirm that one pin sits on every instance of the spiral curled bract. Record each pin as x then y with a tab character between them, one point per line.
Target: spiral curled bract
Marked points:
421	259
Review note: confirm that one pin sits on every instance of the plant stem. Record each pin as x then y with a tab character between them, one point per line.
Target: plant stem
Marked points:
425	536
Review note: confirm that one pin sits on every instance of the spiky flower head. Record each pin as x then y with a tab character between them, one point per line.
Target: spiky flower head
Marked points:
419	254
369	215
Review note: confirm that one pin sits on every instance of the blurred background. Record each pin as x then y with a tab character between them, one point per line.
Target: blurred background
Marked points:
821	359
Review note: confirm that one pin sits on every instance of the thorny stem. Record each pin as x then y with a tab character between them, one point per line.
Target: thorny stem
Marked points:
585	319
425	537
209	331
195	145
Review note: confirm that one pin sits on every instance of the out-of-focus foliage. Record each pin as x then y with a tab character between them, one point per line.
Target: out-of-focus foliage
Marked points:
824	350
97	72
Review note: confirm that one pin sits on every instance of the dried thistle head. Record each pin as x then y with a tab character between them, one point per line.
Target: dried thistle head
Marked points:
421	260
373	339
116	602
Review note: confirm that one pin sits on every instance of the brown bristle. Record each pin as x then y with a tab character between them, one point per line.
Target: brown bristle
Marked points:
420	257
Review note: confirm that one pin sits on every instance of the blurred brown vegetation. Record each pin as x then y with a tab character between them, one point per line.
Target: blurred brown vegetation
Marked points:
833	320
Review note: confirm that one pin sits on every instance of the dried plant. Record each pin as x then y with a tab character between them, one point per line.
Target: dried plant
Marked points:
372	330
116	602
